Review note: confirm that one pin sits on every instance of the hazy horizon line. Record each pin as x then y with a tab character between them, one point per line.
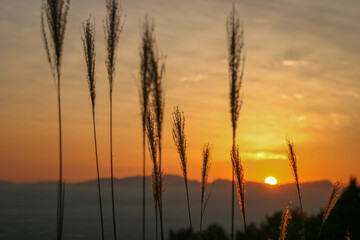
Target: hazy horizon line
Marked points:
148	176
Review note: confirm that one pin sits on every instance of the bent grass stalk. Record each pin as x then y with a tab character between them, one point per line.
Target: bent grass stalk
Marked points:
235	35
293	165
88	40
333	197
240	180
112	29
180	142
53	24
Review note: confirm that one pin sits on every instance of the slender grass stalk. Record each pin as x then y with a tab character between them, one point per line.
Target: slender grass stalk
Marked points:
333	197
156	205
151	134
206	155
53	24
88	40
285	221
293	166
235	35
157	70
112	29
180	142
161	188
157	174
144	93
240	180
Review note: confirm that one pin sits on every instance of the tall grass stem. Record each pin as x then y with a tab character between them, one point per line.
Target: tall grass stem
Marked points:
293	165
180	142
53	25
88	40
235	36
112	28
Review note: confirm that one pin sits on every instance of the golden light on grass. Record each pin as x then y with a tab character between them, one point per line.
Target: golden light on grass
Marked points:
271	181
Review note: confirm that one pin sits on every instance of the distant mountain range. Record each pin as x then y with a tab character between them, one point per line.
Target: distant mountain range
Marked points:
28	211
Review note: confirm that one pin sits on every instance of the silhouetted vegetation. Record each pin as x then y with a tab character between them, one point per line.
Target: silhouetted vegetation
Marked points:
88	39
157	175
235	35
285	221
147	41
332	199
152	69
293	165
180	142
343	221
239	173
204	179
113	28
345	215
53	25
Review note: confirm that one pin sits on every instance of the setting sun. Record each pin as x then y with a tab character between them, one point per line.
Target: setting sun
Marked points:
271	181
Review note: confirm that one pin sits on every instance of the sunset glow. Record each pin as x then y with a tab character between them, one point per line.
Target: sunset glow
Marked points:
301	79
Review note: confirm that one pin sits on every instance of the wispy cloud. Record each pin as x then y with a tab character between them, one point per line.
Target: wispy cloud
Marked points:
293	63
263	156
196	78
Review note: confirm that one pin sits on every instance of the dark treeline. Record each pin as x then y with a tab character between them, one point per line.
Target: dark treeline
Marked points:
342	223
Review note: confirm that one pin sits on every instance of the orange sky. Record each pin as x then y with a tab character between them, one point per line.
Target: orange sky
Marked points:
301	80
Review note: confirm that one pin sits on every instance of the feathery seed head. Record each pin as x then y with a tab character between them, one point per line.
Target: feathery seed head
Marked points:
180	137
147	39
235	34
285	221
88	40
112	28
293	162
53	24
333	197
205	168
157	70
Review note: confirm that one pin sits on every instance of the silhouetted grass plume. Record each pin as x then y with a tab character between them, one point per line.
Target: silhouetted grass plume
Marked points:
180	142
293	166
285	221
88	40
112	29
157	173
333	197
53	24
240	180
157	71
206	155
235	36
144	92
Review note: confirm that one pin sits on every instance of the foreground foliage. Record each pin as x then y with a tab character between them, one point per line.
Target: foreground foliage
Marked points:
341	222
